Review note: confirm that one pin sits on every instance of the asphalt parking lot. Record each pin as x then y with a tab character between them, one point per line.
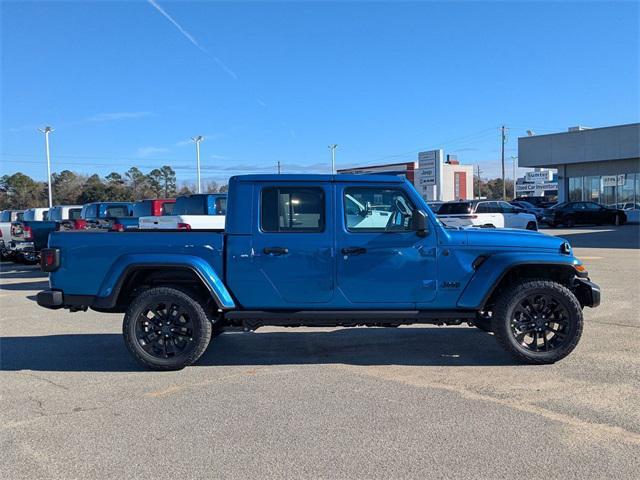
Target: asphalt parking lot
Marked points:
413	402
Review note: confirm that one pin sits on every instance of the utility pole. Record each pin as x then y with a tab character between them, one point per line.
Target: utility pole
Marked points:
333	157
514	158
279	167
197	141
479	181
47	131
504	139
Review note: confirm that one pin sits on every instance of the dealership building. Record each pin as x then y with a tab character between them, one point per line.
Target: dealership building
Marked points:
435	177
593	164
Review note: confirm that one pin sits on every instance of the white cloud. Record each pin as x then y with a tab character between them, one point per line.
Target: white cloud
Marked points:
148	151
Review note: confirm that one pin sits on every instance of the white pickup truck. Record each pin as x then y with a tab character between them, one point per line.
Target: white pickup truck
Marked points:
204	211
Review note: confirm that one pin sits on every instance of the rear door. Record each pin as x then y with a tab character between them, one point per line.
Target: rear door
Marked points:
292	247
381	261
511	218
489	213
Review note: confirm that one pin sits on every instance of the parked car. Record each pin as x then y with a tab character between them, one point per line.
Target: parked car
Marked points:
435	206
625	206
200	211
142	208
539	202
97	215
6	218
293	254
29	235
485	213
528	208
579	213
65	216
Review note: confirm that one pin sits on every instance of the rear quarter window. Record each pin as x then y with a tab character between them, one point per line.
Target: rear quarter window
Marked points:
74	213
142	209
191	205
167	208
292	209
117	211
455	208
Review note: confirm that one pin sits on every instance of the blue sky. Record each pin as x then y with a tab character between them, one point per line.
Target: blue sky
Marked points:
127	83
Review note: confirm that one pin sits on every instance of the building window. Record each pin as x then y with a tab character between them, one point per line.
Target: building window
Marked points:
575	189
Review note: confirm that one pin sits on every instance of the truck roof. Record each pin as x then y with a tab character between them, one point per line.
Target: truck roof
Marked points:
369	178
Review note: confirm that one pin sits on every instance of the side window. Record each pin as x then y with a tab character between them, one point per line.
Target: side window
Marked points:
74	213
167	208
45	215
117	211
292	209
506	208
377	210
484	207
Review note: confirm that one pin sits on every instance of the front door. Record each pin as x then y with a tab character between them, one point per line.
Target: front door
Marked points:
381	261
293	262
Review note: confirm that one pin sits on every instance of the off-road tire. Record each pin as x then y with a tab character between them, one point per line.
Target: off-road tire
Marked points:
532	226
201	334
509	300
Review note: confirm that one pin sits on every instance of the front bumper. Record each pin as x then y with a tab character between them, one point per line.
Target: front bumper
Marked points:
587	292
22	246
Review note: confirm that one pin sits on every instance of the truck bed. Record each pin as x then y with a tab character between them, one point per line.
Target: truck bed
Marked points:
90	260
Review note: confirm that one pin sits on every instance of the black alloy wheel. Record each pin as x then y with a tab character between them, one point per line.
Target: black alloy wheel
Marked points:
538	321
166	329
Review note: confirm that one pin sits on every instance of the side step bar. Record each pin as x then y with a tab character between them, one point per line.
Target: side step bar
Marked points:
252	319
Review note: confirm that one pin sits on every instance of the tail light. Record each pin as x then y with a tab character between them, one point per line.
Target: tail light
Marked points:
156	209
79	224
184	226
117	227
49	259
28	233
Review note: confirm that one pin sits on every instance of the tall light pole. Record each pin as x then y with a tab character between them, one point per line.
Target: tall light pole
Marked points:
333	157
47	131
279	169
504	139
514	159
197	141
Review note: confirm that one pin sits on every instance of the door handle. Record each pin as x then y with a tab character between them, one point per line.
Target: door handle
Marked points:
275	250
353	250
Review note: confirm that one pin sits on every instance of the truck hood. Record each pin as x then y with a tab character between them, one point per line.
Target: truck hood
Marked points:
504	237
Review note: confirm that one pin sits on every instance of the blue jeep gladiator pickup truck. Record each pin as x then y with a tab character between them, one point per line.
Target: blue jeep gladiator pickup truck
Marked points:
322	250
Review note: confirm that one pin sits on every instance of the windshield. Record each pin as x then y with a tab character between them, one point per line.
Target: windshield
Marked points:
559	205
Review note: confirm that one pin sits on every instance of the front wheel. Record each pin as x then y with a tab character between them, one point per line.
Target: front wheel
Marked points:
537	321
166	329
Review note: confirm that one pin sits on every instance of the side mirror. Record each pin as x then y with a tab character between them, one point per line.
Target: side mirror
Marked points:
419	222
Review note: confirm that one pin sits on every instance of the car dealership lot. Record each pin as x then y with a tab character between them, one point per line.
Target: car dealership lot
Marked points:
412	402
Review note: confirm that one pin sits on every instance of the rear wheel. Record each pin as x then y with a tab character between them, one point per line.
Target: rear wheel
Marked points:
532	226
166	329
570	222
617	220
537	321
